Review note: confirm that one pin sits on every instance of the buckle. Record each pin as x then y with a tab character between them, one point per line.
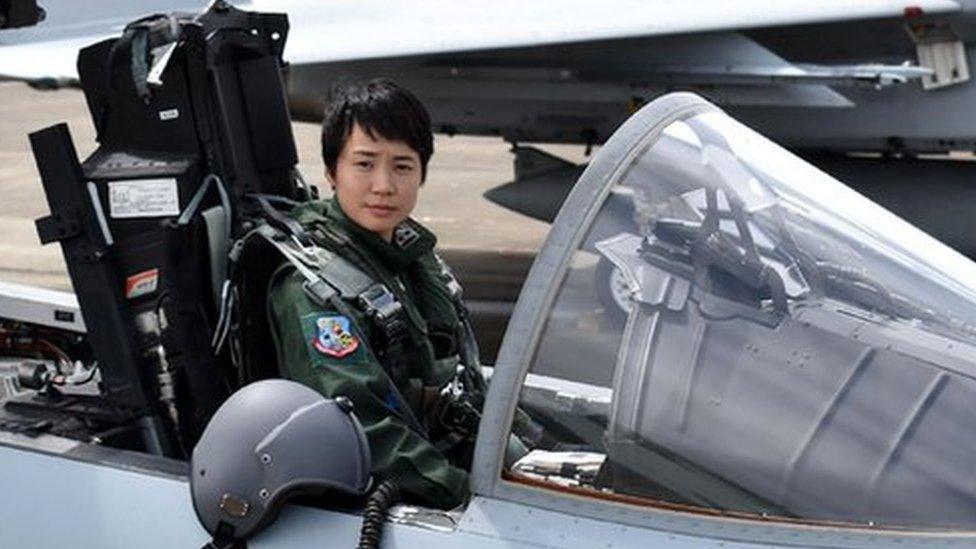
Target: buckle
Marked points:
382	307
379	302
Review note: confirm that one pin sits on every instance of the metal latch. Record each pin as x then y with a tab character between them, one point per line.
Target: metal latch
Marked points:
938	48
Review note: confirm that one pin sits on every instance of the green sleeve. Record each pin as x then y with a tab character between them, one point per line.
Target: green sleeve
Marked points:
397	450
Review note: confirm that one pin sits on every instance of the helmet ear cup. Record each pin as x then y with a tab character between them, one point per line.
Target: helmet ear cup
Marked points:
271	441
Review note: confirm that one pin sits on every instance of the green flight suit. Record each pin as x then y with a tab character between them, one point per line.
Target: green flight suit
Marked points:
391	389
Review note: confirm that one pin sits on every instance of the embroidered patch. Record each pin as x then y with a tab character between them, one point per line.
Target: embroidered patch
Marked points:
404	235
333	336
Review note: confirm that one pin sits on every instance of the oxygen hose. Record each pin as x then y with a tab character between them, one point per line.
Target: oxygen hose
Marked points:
379	502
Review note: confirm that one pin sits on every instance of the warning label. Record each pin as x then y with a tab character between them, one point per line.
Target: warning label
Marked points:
142	283
143	198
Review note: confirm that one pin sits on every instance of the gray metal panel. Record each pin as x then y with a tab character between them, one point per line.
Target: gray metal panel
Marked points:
303	527
709	530
902	117
544	528
50	501
41	306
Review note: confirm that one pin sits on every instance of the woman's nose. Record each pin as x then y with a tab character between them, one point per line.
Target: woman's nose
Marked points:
383	182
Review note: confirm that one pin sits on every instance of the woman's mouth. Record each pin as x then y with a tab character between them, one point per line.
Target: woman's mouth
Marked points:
380	210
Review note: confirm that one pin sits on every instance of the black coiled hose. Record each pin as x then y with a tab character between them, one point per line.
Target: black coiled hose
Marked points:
385	496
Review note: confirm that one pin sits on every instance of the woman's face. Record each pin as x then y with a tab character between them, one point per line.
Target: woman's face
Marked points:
376	181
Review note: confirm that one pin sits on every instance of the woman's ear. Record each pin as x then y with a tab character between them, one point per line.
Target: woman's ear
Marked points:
330	179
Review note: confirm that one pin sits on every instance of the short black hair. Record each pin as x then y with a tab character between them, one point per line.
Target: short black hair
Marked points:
378	106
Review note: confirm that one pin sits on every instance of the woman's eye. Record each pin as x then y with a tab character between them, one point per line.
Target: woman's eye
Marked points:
404	168
364	164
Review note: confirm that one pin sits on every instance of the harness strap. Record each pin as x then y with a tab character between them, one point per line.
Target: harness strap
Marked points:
323	233
321	292
281	221
467	342
344	280
349	280
327	274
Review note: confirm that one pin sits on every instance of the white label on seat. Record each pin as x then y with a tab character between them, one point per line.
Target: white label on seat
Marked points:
143	198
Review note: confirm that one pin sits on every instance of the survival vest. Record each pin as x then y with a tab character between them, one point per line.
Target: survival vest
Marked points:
330	280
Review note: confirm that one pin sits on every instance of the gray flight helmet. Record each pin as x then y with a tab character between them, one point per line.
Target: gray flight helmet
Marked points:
270	441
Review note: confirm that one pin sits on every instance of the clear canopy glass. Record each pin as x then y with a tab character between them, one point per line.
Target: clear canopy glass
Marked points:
741	332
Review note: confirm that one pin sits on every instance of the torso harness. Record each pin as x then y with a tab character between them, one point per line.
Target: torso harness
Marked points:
331	280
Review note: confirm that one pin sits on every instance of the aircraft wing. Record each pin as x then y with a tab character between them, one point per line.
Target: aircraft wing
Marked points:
46	53
376	28
368	29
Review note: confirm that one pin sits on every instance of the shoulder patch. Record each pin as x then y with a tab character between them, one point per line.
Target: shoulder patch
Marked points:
333	336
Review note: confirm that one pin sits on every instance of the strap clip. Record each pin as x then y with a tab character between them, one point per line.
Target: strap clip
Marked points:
386	312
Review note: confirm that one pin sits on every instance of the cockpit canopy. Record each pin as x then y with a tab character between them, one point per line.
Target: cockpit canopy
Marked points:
738	331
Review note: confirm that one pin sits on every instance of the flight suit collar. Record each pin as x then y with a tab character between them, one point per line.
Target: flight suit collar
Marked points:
410	242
